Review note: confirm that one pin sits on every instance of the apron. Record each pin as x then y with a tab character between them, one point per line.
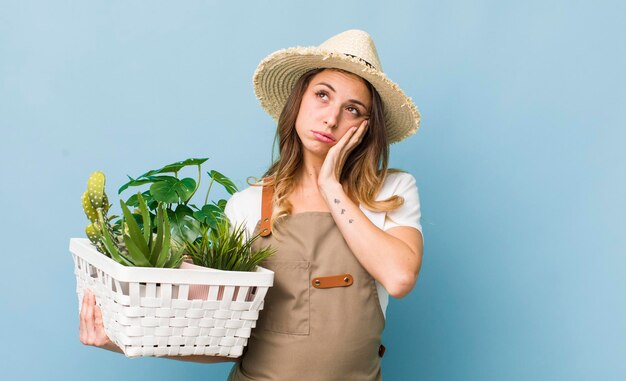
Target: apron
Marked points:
321	319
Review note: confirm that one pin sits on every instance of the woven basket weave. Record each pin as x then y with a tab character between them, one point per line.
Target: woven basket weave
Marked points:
148	311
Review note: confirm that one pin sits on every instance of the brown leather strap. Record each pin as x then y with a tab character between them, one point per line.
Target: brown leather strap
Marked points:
341	280
266	209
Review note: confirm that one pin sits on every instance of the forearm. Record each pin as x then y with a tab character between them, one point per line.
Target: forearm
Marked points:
388	259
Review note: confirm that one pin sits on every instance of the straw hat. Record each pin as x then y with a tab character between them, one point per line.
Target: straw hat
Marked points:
352	51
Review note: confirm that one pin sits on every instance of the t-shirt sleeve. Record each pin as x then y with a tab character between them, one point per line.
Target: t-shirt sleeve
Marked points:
231	210
409	213
244	208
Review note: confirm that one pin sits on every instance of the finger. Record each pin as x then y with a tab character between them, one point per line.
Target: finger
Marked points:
102	337
355	138
89	320
356	131
358	135
362	127
364	123
82	318
339	152
341	144
343	150
83	305
97	316
345	146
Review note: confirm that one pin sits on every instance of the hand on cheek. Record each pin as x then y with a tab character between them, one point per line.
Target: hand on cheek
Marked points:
337	155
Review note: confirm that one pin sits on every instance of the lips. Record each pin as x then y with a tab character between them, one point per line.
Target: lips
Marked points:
323	137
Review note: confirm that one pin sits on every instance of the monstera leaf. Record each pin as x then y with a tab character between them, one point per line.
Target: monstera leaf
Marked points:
184	227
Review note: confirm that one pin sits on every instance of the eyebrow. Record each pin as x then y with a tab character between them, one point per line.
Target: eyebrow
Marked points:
350	100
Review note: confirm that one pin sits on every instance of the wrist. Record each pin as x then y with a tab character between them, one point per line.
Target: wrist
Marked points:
111	346
331	189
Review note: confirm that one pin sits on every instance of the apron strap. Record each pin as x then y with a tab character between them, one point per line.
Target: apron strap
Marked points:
266	208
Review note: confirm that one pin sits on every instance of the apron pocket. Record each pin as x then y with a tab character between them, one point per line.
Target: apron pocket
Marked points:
286	306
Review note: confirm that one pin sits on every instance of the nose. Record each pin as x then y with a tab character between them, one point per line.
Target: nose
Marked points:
332	116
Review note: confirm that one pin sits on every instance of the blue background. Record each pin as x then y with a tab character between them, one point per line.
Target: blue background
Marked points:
519	161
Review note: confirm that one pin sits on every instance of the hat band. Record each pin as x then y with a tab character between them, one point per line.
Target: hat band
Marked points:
362	60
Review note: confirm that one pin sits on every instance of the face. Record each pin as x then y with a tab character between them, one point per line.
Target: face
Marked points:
333	102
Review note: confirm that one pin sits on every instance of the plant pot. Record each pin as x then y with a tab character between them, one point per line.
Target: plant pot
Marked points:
202	292
160	312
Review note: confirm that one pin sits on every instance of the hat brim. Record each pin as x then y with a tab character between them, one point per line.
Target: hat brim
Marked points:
278	73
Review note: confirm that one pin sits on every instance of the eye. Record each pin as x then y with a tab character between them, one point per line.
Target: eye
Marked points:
355	111
323	95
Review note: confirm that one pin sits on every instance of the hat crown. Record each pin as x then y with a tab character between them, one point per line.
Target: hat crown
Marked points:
355	43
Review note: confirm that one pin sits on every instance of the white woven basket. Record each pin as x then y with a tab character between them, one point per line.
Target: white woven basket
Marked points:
148	311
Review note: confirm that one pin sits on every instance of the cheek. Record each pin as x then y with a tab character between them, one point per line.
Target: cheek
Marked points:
304	120
309	107
342	131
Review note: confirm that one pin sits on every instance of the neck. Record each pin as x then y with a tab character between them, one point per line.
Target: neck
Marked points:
309	172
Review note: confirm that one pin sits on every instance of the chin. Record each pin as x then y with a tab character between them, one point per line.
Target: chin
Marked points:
317	150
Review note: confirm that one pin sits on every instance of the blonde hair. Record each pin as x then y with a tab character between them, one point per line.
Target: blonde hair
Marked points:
364	170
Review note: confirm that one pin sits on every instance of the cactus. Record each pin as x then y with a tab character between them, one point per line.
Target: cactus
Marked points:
92	233
96	202
95	197
95	187
90	211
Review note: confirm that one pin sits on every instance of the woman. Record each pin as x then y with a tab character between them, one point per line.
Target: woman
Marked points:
346	230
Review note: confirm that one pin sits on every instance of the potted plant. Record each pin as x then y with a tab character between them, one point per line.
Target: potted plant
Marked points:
150	306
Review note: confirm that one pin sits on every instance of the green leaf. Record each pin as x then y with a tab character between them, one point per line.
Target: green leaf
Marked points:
165	250
165	191
231	263
147	223
132	200
212	210
209	215
200	216
131	183
230	187
175	259
135	233
221	204
152	205
175	167
157	244
112	248
184	227
107	241
141	180
180	211
170	168
138	256
185	188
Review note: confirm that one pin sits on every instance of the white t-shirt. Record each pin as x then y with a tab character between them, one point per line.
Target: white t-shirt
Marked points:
245	207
